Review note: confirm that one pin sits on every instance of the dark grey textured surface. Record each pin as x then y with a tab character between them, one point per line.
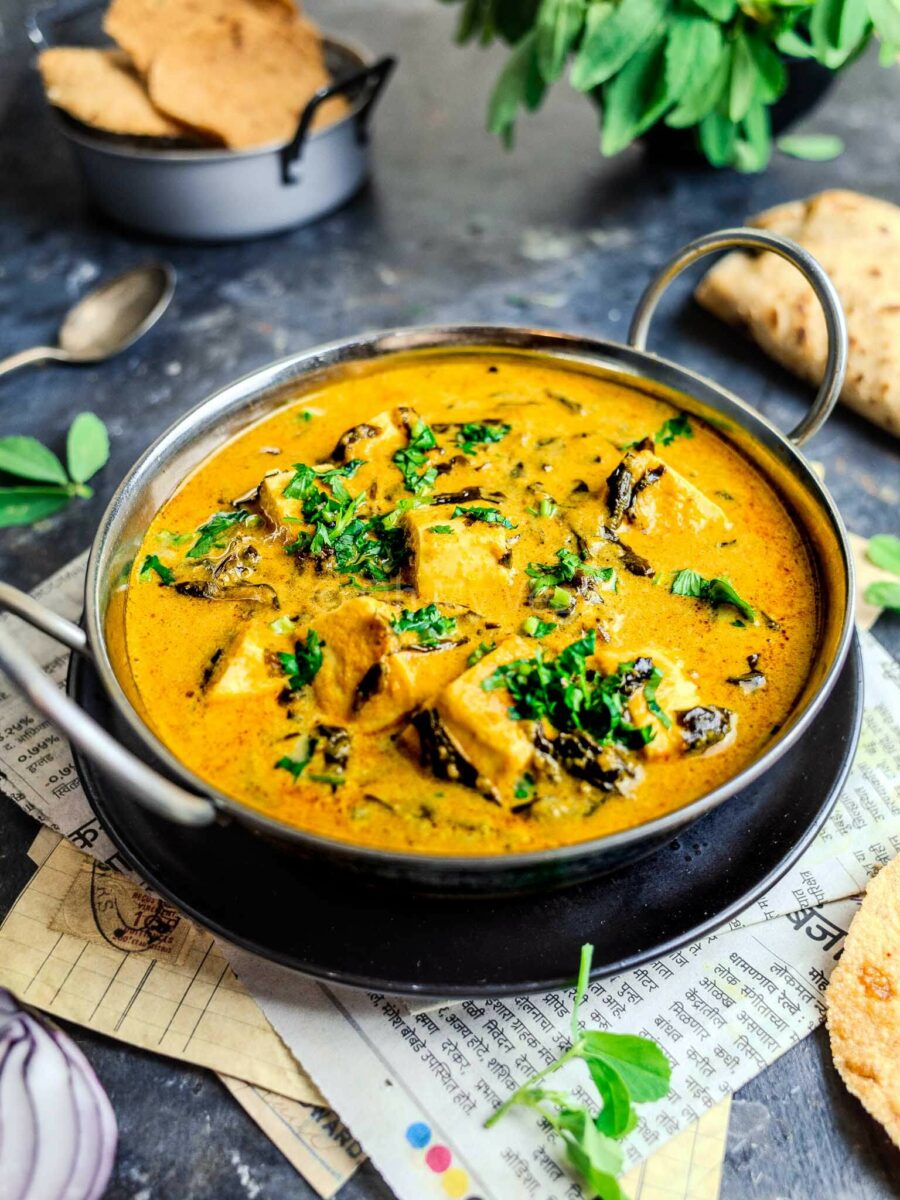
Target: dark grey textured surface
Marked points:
450	229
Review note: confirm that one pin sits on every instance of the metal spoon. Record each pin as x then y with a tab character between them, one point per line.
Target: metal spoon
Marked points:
107	319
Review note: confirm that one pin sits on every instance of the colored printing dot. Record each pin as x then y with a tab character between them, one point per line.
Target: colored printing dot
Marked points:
418	1135
438	1158
455	1183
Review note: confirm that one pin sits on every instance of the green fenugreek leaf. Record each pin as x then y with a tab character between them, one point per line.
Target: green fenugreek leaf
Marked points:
87	447
28	458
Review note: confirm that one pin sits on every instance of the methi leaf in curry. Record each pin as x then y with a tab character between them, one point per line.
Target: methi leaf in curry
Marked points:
151	565
675	427
428	624
87	447
490	516
714	592
211	532
624	1069
472	434
303	665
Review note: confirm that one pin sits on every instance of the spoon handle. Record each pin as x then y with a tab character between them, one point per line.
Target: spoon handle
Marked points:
37	354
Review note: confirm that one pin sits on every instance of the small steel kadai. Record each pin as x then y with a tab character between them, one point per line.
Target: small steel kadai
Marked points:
157	779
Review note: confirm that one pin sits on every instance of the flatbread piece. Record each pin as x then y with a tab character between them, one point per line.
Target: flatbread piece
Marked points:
144	27
245	80
100	88
856	238
863	1002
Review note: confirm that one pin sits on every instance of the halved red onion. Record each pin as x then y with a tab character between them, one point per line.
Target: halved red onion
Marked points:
57	1127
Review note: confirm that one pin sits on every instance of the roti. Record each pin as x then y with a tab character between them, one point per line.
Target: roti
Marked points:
863	1002
856	238
100	88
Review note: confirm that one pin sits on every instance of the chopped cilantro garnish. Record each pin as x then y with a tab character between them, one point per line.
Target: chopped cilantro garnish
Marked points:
440	528
415	455
306	477
564	571
490	516
476	433
152	563
332	780
296	766
714	592
373	547
428	624
480	651
536	628
303	665
572	696
212	531
304	415
675	427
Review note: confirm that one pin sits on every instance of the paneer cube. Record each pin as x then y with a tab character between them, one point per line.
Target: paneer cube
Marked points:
355	639
248	666
671	502
676	693
478	722
285	515
466	567
367	678
377	438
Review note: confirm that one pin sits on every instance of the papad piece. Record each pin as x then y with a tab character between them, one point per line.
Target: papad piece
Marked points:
245	82
856	238
101	89
143	27
863	1002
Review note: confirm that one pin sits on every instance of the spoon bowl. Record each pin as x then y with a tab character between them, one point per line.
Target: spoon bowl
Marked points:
107	320
116	313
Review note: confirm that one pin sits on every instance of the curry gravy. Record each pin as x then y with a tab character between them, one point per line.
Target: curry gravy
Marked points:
341	648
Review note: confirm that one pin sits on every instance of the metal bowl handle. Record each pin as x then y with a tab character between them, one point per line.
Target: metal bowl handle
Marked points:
370	81
147	786
760	239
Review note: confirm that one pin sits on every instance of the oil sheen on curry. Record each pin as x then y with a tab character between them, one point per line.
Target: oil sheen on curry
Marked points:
471	605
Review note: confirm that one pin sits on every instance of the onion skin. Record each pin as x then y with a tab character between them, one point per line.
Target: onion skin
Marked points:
57	1127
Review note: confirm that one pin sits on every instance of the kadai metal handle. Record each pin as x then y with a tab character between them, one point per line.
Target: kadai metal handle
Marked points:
151	789
761	239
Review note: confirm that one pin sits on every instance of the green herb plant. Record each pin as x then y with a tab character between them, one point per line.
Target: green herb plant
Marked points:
713	66
624	1069
884	551
152	565
490	516
52	486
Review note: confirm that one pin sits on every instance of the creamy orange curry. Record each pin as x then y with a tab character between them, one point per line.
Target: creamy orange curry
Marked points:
471	605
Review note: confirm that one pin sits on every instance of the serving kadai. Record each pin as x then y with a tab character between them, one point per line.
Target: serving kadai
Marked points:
471	605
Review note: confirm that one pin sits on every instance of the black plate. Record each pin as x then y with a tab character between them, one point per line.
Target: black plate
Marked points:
265	898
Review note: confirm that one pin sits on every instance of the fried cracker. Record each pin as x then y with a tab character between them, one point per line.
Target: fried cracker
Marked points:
144	27
856	238
100	88
863	1002
245	81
